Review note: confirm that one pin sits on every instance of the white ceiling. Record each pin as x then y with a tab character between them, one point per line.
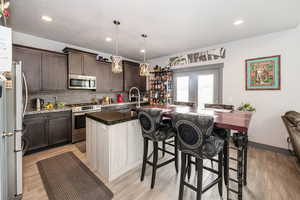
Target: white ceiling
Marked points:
172	25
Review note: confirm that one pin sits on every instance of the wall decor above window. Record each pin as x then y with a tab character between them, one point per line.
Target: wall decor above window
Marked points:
198	57
263	73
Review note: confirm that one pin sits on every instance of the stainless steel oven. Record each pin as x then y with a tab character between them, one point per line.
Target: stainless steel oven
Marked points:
82	82
79	121
78	132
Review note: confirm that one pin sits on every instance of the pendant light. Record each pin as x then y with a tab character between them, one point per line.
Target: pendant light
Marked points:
144	67
4	11
116	60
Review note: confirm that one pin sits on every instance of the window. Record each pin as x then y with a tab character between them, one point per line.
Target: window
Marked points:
182	89
205	89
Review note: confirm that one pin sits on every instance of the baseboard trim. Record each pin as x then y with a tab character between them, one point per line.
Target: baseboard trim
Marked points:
269	148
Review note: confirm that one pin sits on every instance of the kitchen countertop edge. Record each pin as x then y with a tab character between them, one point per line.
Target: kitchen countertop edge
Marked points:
33	112
110	122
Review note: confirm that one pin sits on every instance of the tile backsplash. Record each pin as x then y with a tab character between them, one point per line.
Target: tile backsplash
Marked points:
73	96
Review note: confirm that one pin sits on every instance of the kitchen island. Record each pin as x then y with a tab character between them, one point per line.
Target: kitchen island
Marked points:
114	142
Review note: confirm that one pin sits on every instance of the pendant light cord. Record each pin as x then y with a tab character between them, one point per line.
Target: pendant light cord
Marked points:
145	50
145	46
117	40
117	23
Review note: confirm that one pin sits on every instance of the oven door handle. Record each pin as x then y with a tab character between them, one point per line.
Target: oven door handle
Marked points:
80	114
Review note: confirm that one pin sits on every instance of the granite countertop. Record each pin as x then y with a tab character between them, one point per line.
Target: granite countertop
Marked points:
32	111
61	109
124	103
112	117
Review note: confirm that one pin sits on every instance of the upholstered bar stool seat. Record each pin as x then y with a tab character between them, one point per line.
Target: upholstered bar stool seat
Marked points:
212	146
153	129
194	133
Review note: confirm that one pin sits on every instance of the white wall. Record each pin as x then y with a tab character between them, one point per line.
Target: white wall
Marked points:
266	125
42	43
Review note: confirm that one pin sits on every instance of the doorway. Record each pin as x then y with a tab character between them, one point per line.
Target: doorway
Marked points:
199	84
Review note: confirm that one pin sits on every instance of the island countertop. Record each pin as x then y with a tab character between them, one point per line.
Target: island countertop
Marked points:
112	117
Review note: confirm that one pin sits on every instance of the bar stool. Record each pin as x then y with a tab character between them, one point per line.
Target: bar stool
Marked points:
194	133
240	141
154	130
222	133
168	121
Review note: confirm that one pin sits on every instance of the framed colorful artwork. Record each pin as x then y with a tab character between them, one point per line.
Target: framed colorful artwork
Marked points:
263	73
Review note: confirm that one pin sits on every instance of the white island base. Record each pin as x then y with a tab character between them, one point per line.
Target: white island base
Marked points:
112	150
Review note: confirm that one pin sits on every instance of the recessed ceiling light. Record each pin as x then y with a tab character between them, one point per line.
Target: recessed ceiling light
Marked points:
46	18
238	22
108	39
142	50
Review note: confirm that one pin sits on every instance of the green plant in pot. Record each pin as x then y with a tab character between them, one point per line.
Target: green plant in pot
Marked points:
246	107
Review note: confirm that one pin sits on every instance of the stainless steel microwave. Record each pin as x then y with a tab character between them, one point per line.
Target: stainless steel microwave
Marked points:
82	82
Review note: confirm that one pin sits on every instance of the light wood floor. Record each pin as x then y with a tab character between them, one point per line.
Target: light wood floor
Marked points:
271	176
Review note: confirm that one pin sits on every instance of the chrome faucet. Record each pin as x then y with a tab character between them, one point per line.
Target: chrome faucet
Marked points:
55	101
139	95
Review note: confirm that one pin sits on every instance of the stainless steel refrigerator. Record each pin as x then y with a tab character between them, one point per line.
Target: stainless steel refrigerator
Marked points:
11	117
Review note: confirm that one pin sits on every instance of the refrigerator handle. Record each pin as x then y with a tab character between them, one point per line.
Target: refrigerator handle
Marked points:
26	93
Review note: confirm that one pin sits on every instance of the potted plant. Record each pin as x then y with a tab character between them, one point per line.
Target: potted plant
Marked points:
246	107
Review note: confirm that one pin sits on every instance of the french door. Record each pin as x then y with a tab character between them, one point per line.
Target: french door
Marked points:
198	85
3	148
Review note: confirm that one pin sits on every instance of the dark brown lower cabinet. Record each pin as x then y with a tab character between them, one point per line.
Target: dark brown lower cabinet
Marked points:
59	128
36	132
46	130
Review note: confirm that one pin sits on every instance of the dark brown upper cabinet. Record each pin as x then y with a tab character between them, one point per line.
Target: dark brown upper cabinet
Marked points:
90	65
81	62
132	76
54	71
75	63
44	70
108	81
31	66
104	77
48	71
117	82
84	63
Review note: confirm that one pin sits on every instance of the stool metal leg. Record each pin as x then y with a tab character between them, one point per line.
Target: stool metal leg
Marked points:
240	173
164	148
199	163
226	161
189	166
144	158
240	142
245	158
176	154
220	175
182	175
155	158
